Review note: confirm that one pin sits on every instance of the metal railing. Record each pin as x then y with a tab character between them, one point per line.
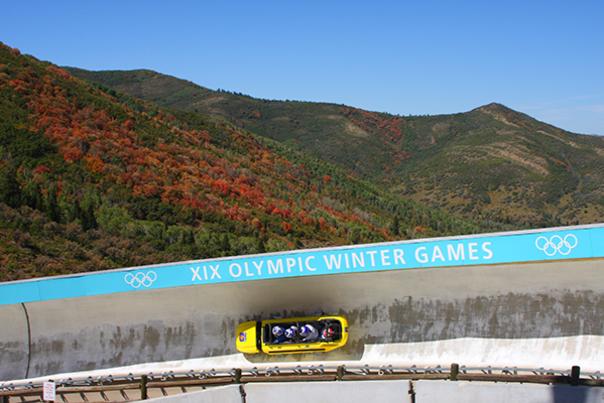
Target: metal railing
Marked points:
143	386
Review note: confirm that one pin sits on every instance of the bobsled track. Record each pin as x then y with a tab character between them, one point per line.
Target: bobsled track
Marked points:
542	312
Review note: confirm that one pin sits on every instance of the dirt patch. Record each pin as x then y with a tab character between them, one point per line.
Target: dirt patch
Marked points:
213	100
441	127
518	155
355	130
559	138
499	117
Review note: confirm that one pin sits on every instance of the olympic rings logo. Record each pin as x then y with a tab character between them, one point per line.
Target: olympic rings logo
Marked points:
557	244
140	279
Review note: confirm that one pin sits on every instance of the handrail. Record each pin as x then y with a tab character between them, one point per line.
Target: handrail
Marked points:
299	373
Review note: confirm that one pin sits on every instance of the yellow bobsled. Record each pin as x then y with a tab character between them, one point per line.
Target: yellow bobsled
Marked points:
258	336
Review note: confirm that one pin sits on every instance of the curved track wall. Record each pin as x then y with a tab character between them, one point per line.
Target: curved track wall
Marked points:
14	342
401	313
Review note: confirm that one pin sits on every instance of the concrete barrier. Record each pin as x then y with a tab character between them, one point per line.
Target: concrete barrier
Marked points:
329	392
551	311
392	392
219	394
471	392
299	392
14	342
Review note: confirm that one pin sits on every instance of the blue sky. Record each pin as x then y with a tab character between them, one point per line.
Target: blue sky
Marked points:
545	58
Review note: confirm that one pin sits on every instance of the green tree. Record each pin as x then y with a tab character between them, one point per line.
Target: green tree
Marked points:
10	191
88	218
52	205
261	244
225	244
395	226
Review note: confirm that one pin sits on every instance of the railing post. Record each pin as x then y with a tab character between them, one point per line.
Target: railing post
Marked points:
340	371
4	399
411	392
575	374
454	372
144	392
237	375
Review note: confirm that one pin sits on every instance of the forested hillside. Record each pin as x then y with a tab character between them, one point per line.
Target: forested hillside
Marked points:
91	179
491	164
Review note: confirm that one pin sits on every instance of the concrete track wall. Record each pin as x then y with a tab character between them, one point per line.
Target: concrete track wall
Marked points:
220	394
14	340
472	392
394	312
392	392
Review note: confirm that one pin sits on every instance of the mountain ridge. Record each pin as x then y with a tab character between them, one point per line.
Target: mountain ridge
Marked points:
488	159
80	72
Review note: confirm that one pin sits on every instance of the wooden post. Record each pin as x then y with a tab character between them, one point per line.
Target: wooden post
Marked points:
454	372
411	392
237	375
340	373
575	374
144	392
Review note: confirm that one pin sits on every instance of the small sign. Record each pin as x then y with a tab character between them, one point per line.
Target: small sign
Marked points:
49	393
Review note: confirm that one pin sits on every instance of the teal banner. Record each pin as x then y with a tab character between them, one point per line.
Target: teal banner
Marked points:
582	242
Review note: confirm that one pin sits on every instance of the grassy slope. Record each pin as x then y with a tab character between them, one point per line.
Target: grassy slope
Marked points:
91	179
490	164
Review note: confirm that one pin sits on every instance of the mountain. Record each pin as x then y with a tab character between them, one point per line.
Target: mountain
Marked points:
92	179
489	164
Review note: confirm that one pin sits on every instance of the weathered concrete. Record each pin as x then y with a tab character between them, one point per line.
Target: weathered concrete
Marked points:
329	392
515	302
550	353
393	392
14	342
300	392
219	394
471	392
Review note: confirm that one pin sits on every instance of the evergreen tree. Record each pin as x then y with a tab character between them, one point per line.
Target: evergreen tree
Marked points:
225	244
10	191
189	237
76	213
261	245
52	206
88	218
395	226
354	236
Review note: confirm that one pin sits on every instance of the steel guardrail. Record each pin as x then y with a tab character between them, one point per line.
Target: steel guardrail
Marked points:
137	387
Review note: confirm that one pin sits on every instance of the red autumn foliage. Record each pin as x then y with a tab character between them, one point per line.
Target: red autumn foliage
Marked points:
41	169
222	186
187	167
71	153
58	71
286	227
420	229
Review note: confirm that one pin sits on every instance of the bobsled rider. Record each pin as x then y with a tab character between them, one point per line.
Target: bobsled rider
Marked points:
328	333
278	334
309	333
291	333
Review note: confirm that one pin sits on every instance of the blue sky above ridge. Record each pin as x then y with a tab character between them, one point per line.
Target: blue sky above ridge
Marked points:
544	58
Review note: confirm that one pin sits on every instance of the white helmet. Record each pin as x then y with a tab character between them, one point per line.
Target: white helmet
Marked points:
291	332
277	331
305	330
